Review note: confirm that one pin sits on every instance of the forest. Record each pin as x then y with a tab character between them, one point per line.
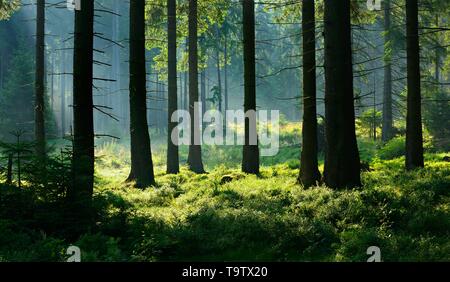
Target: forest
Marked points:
224	130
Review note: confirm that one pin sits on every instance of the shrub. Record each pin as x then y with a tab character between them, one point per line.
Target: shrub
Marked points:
395	148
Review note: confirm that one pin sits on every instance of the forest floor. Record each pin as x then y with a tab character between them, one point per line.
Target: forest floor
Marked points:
225	215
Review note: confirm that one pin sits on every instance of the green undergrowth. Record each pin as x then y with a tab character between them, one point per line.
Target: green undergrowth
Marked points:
225	215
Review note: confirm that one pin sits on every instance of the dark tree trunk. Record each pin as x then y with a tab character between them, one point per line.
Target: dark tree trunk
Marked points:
226	105
250	159
80	194
195	150
309	172
141	155
387	133
186	83
39	106
203	94
9	170
342	163
414	139
186	92
172	149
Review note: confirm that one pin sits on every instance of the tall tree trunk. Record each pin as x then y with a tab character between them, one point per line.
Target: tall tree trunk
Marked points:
414	138
2	63
226	106
186	92
387	132
203	95
342	163
219	76
186	82
80	194
225	54
195	150
63	92
40	83
309	172
52	84
172	148
250	159
141	155
437	56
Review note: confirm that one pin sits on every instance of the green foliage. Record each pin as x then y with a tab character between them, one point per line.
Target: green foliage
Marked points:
436	117
98	247
395	148
7	7
17	94
369	120
227	215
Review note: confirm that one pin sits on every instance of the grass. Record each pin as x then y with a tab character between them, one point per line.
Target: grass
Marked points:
225	215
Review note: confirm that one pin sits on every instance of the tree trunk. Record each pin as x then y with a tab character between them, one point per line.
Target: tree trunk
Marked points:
195	150
203	95
414	139
250	158
309	172
186	82
219	77
186	92
141	155
172	148
39	83
9	170
63	93
80	194
387	133
52	84
342	163
226	106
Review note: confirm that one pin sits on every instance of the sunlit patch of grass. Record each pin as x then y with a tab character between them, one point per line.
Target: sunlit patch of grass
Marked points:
226	214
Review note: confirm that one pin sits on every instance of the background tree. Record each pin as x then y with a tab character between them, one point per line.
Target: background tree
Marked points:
387	129
39	106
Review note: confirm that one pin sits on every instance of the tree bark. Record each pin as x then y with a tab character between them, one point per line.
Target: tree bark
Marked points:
62	84
80	194
172	148
309	171
342	162
203	95
414	138
219	76
226	102
387	130
40	80
195	150
250	158
141	156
